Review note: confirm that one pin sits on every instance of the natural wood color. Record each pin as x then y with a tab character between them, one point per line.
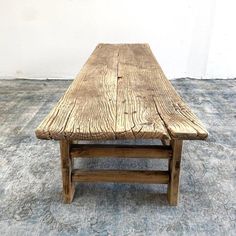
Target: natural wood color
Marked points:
174	170
122	151
144	77
137	116
121	93
88	108
128	176
66	166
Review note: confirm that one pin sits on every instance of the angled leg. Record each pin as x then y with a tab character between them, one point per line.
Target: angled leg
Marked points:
174	170
66	167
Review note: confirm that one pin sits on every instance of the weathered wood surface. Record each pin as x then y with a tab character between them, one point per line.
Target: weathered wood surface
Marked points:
66	169
121	93
122	151
174	170
123	176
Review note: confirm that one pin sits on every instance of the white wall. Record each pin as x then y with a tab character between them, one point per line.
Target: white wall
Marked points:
53	38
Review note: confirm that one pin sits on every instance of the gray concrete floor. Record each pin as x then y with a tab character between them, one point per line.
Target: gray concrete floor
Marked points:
30	178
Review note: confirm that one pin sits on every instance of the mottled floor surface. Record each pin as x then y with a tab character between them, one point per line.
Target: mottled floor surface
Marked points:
30	177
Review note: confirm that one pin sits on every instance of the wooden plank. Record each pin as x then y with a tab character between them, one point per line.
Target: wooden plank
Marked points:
128	176
174	169
121	151
88	108
136	112
66	167
142	81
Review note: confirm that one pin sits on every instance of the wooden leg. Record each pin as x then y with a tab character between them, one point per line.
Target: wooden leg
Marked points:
68	151
66	167
174	170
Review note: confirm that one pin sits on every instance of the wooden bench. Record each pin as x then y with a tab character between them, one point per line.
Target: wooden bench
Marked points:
121	93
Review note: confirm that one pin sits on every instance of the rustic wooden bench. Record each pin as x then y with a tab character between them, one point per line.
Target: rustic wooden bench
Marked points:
121	93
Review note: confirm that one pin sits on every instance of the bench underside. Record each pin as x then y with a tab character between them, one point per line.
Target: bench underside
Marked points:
171	152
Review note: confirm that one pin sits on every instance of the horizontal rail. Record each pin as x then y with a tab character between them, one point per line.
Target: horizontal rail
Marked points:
122	151
124	176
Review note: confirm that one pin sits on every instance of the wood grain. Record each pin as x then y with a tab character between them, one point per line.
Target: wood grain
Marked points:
121	93
66	168
121	151
88	108
136	112
124	176
174	170
145	79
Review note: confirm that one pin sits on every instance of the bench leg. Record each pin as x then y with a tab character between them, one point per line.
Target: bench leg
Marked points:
174	170
66	167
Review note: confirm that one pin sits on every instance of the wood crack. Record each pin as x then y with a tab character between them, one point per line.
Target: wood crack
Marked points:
117	84
162	118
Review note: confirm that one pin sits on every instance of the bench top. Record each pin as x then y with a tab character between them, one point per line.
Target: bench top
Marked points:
121	93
